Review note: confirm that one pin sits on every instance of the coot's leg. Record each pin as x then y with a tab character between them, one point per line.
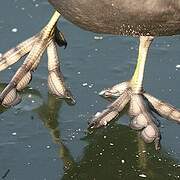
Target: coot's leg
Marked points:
141	104
35	47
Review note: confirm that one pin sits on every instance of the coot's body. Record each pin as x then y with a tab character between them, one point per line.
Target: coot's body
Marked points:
123	17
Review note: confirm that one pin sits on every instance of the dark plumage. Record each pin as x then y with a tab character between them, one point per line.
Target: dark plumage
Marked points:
123	17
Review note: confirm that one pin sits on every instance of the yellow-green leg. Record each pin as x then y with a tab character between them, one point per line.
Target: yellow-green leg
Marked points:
140	103
136	82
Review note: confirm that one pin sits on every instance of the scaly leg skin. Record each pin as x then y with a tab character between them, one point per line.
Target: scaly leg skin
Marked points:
35	47
141	104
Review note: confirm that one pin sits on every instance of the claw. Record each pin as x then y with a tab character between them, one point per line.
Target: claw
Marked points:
60	39
14	54
55	78
110	112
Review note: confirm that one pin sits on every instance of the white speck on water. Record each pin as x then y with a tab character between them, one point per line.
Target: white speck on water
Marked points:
22	8
142	175
30	95
104	137
178	66
78	72
111	144
122	161
33	101
14	133
36	5
84	84
14	30
91	85
98	37
48	147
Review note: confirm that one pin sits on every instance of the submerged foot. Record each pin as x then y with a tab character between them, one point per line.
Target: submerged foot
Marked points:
141	108
35	46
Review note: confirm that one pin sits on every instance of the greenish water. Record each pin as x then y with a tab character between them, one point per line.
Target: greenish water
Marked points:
43	138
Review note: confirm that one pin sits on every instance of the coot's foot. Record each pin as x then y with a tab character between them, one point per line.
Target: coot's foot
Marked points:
35	47
141	104
141	109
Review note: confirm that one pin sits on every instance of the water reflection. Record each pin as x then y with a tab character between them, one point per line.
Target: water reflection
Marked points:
115	152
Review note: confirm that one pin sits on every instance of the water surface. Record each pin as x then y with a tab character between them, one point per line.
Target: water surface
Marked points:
43	138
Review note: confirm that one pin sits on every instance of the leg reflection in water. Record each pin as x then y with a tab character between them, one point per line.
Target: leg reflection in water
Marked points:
110	153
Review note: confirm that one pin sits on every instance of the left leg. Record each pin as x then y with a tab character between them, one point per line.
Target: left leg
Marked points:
35	46
141	104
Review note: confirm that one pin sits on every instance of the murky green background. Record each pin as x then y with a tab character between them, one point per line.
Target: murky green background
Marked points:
43	138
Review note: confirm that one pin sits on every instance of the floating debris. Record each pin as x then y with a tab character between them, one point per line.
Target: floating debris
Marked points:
14	30
29	146
84	84
5	174
14	133
98	37
142	175
36	5
91	85
48	147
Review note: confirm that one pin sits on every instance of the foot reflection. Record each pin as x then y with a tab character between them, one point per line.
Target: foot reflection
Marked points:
113	152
